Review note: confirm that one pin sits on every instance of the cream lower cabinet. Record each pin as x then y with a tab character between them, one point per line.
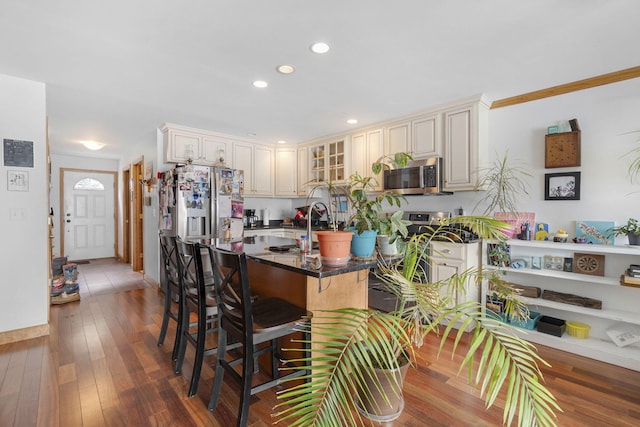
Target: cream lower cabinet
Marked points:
257	163
448	259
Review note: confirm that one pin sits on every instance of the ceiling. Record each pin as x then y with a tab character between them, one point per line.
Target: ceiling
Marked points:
116	70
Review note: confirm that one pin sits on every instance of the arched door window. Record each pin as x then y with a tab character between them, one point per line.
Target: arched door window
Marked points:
89	184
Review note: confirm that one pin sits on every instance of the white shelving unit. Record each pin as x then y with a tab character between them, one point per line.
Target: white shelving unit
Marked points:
619	303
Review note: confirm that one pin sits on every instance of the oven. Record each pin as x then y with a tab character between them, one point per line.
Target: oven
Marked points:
379	297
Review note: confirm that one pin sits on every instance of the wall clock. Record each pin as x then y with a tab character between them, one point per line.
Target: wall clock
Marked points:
562	150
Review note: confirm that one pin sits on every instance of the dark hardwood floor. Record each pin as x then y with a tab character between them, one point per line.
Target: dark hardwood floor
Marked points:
101	366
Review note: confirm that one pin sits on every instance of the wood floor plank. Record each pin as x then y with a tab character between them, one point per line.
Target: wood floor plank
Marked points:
49	401
101	366
27	413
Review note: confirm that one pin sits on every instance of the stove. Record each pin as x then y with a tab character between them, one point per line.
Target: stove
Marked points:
429	221
421	222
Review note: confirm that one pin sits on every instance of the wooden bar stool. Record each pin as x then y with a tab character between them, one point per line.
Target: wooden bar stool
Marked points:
171	291
200	300
250	323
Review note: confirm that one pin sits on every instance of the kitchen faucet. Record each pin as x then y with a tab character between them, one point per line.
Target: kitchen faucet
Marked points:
310	215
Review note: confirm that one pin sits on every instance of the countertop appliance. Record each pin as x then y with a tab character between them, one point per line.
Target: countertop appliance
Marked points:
252	218
417	177
197	201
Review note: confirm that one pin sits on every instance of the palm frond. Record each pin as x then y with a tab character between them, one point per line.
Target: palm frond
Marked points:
348	343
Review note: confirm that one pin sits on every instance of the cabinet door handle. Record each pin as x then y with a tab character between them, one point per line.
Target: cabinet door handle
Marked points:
447	251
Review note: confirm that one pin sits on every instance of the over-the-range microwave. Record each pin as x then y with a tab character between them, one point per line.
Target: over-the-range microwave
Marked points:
417	177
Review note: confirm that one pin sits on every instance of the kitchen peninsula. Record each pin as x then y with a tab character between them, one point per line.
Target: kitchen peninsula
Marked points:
284	274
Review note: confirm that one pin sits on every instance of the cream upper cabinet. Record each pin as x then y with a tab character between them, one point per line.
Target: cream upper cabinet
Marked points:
398	137
182	144
216	150
465	142
421	137
286	171
303	170
426	136
257	163
366	148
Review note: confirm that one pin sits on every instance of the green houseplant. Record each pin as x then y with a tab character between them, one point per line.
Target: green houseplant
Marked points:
350	344
391	227
504	182
365	205
631	229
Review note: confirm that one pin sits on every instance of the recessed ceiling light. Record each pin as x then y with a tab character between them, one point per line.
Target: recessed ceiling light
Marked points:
320	47
260	84
285	69
282	142
352	121
93	145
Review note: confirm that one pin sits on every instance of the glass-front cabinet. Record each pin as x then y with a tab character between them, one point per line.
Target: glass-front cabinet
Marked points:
327	162
336	161
317	164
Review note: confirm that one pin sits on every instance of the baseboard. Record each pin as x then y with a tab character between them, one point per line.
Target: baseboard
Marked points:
24	334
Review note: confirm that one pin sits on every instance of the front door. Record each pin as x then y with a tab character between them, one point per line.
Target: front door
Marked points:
89	217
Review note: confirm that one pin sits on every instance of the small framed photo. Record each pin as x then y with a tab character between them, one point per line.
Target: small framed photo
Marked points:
552	129
568	265
17	181
562	186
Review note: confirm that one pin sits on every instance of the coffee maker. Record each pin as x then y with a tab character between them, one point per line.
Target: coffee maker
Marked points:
251	218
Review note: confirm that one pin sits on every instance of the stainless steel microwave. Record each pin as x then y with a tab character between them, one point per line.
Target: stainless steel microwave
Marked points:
417	177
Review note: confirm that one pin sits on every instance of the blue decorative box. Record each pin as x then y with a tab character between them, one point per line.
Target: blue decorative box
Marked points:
530	323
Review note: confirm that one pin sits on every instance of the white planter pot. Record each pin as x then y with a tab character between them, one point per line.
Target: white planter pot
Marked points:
385	248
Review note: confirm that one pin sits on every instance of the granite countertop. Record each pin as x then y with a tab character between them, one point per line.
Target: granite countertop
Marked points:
257	249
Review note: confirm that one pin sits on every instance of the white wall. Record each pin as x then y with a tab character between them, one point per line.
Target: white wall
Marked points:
24	255
604	114
59	161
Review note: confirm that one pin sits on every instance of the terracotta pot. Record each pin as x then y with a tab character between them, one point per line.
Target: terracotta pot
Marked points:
335	245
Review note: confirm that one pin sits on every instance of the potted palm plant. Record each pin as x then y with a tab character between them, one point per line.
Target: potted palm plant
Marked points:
504	182
352	344
631	229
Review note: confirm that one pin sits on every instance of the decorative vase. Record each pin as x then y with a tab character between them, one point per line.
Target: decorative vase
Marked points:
334	247
634	239
384	247
364	244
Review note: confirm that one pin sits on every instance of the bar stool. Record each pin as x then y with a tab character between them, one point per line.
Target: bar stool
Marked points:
171	291
250	323
200	300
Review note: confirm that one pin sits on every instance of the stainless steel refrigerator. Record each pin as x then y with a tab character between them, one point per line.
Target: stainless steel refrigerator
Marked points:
202	201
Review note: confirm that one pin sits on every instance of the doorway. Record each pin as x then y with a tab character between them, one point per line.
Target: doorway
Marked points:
88	222
127	198
137	255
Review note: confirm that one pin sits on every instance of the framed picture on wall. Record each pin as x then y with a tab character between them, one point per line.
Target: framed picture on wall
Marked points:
562	186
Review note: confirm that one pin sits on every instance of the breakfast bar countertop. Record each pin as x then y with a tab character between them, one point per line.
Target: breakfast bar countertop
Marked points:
257	249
